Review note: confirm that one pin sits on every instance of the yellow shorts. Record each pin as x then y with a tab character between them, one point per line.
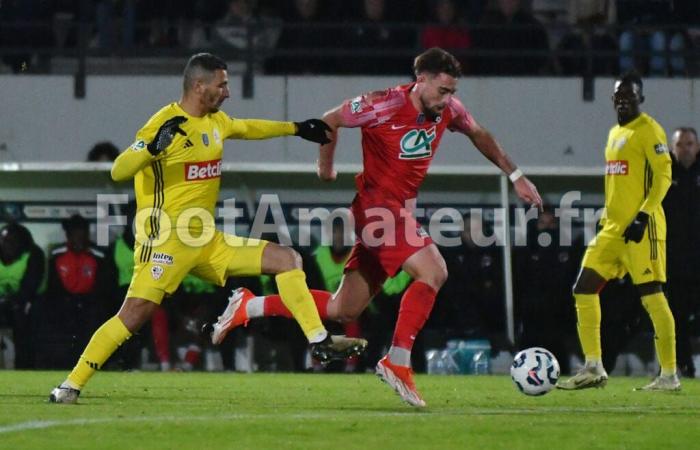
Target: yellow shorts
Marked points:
611	258
159	269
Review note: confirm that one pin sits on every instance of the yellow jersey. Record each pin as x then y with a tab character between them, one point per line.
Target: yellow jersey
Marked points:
175	186
637	176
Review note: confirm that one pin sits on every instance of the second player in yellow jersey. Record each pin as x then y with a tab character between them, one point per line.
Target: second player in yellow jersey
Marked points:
632	239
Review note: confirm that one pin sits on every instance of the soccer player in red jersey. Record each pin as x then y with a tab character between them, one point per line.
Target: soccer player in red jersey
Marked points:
401	130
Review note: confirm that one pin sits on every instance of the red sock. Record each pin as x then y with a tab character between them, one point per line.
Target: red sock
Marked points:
274	306
416	304
161	337
352	329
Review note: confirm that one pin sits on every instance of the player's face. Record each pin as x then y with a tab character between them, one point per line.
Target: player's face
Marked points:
685	145
215	92
436	91
626	99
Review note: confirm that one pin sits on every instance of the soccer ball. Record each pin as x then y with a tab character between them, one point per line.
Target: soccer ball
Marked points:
535	371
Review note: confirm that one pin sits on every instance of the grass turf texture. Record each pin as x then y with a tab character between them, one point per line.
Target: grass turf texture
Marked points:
312	411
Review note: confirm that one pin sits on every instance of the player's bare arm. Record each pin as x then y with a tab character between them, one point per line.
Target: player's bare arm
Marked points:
484	141
334	119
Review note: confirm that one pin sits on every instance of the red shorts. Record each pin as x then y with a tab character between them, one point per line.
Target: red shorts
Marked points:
386	237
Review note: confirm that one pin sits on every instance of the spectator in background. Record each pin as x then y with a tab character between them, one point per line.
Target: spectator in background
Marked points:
445	31
302	34
103	151
24	23
589	23
682	208
21	276
372	33
77	279
116	23
232	29
509	27
651	50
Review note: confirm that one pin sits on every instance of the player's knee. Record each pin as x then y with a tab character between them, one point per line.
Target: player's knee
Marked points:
441	276
436	278
135	312
291	260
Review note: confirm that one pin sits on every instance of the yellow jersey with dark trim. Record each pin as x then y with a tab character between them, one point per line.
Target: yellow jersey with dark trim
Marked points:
637	175
186	175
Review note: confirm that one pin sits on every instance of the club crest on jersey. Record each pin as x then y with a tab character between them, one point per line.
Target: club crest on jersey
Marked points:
205	139
617	167
157	272
619	143
660	148
355	105
417	144
138	145
217	136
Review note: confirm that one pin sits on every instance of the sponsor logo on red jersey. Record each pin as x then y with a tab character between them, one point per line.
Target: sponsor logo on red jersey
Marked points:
617	167
203	170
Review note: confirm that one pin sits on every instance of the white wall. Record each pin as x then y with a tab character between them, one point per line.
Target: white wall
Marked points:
535	119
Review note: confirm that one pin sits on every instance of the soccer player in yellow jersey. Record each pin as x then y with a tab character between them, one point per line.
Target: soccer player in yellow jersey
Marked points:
176	165
632	239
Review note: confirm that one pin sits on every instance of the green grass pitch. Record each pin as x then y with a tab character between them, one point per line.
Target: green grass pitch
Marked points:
130	411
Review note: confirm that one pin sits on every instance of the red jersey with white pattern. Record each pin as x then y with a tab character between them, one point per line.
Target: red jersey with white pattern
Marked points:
398	142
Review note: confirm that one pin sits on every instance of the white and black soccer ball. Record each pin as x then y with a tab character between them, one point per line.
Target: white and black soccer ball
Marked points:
535	371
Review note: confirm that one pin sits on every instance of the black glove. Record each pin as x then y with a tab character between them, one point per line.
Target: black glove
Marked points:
635	231
165	134
313	130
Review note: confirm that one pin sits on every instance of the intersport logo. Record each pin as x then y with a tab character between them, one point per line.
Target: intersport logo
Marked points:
617	167
203	170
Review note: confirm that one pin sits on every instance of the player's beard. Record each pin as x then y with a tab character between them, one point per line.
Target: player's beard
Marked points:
430	112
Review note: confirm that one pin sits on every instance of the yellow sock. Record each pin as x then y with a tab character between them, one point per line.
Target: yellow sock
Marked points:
297	298
588	312
103	343
664	329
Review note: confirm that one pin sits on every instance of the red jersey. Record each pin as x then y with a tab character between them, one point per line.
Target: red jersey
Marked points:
398	142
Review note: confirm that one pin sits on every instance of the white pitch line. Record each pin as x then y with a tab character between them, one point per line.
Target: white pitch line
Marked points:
410	413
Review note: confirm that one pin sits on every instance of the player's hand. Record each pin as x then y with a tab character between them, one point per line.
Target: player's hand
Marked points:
313	130
166	133
635	231
528	192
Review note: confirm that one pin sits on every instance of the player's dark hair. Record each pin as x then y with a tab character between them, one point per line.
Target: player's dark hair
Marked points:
201	64
631	77
435	61
686	130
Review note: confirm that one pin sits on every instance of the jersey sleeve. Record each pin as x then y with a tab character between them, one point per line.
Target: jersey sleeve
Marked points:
136	156
657	155
253	129
370	109
462	120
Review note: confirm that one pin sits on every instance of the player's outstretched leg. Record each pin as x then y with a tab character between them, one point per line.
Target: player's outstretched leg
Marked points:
243	306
